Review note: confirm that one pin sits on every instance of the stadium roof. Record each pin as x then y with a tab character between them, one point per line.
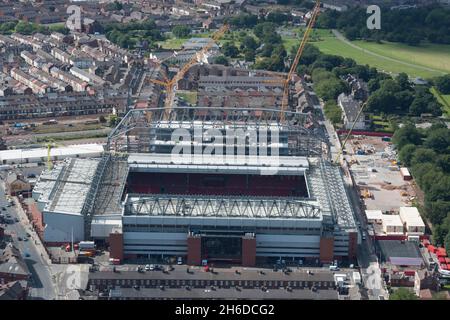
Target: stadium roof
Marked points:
64	188
282	165
227	207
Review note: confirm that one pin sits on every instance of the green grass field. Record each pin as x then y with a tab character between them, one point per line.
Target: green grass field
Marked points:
443	99
436	57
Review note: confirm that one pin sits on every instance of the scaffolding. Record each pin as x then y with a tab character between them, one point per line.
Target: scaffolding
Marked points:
136	134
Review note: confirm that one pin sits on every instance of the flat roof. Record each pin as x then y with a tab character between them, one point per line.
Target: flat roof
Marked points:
224	293
399	249
411	216
64	188
20	155
282	165
392	220
222	274
374	214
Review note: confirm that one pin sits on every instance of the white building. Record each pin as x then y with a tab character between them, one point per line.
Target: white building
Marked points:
412	220
350	112
374	216
18	156
61	195
392	224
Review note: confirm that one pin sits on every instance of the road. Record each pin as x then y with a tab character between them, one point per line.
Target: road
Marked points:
42	286
341	37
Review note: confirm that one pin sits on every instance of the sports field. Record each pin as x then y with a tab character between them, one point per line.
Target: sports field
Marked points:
425	61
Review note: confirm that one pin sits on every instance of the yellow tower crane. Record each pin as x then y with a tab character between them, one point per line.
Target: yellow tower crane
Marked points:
287	80
170	85
50	144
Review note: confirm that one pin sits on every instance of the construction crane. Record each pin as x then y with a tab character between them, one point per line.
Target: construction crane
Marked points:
350	132
170	85
50	144
287	80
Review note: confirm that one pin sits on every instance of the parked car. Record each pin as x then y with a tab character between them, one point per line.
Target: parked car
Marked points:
180	260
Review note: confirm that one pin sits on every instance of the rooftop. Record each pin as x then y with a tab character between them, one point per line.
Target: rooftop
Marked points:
411	216
399	249
64	189
20	155
223	206
282	165
231	293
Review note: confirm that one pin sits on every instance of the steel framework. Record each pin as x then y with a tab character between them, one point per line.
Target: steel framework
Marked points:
135	133
209	206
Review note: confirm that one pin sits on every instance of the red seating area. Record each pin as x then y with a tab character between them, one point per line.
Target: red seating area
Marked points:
217	184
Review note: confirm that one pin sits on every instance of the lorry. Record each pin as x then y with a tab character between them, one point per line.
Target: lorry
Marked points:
86	245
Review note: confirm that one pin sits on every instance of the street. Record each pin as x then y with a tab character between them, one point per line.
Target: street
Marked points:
41	284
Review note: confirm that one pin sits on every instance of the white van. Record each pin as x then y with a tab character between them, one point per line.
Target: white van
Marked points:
334	268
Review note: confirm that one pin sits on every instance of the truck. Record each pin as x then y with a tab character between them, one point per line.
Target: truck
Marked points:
86	245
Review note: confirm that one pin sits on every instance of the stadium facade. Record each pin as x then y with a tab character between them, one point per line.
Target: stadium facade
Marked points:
246	206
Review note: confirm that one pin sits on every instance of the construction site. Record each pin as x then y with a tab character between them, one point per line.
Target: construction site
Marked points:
373	163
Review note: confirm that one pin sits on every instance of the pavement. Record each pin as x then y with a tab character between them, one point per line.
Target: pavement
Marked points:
48	281
42	286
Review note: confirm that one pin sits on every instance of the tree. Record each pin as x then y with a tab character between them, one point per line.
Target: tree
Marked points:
408	134
102	119
447	243
333	112
113	120
443	84
403	81
249	43
221	60
422	155
330	89
403	294
230	50
181	31
406	153
249	55
382	101
438	140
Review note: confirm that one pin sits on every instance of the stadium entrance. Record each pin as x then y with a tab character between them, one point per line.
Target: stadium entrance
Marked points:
222	248
237	249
